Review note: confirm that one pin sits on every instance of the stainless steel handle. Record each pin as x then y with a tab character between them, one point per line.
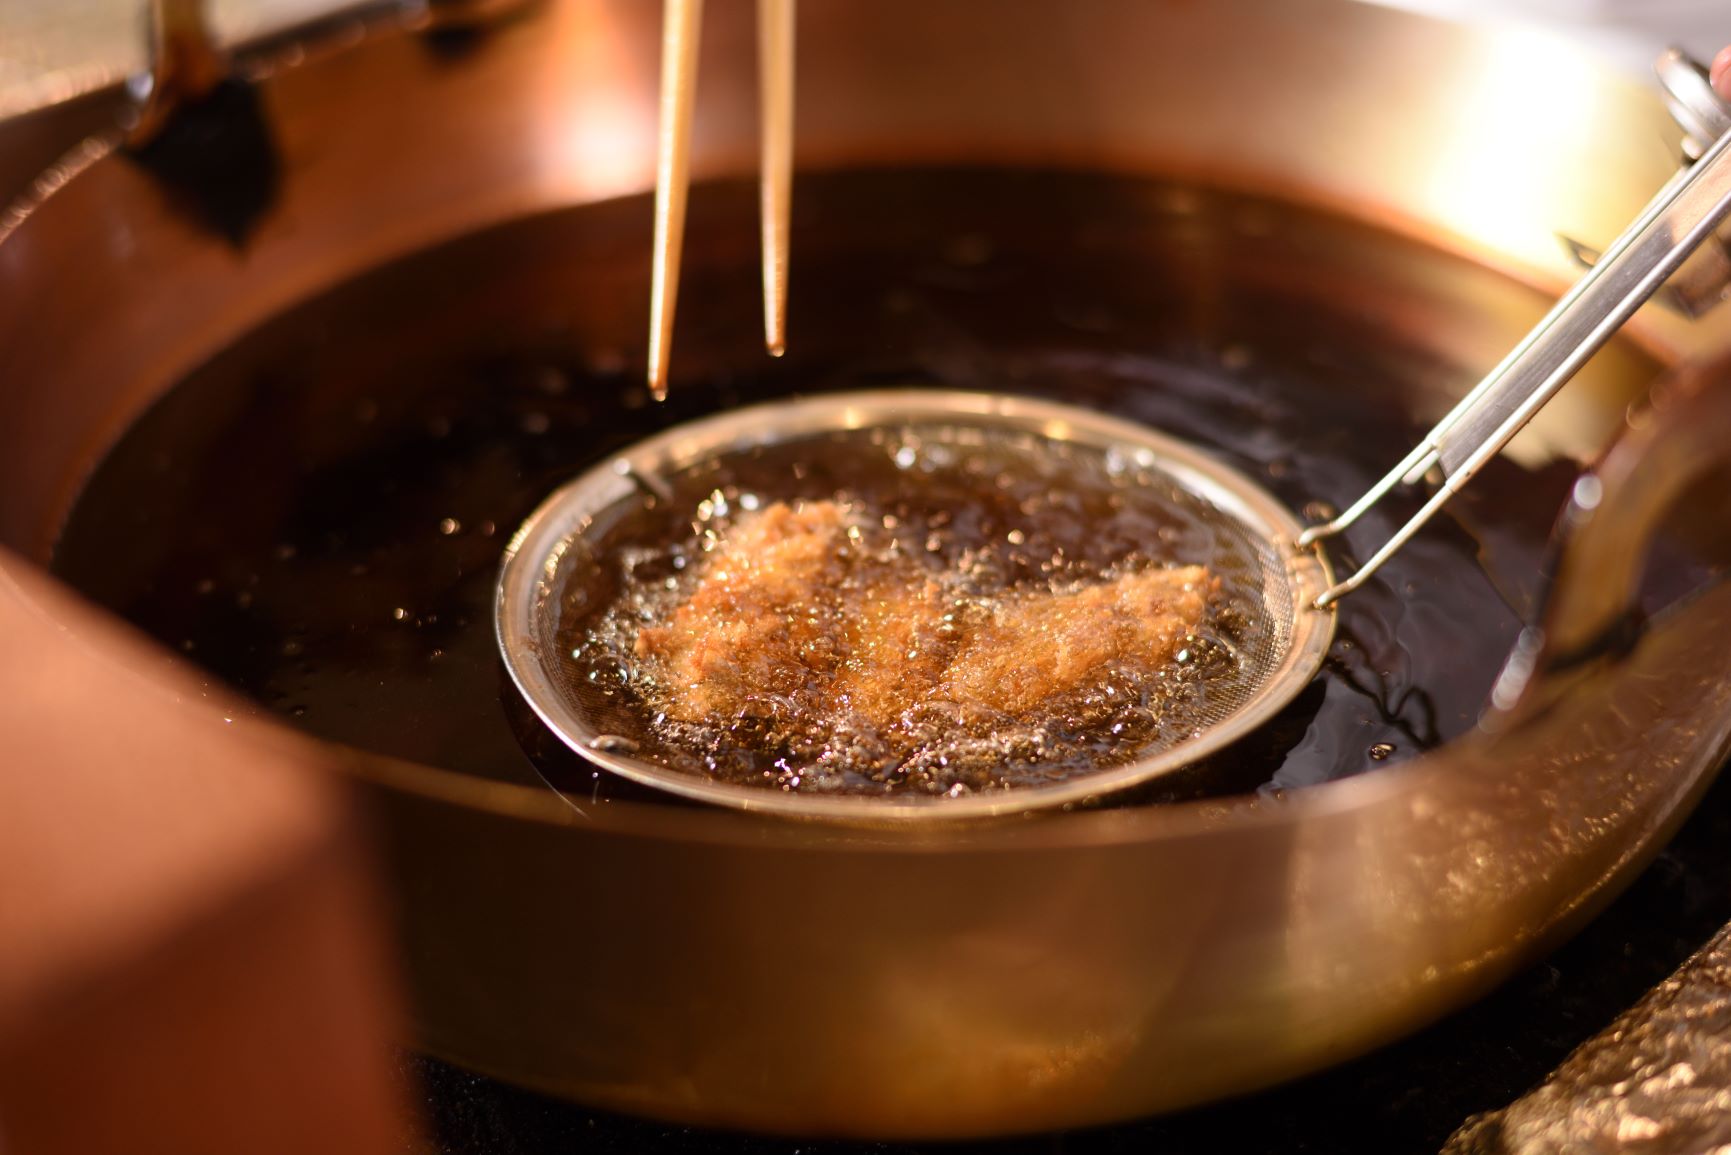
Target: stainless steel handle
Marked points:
1685	213
1642	259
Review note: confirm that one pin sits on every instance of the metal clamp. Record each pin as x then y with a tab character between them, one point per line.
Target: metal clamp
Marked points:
1700	111
223	164
185	66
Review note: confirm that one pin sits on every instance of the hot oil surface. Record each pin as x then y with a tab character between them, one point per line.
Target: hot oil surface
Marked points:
317	515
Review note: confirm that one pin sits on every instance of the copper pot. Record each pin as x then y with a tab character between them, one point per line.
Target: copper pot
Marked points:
1013	976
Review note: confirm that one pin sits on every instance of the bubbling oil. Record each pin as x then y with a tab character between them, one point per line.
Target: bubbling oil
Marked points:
963	521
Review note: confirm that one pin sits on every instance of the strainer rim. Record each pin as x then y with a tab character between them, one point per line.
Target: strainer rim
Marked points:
561	515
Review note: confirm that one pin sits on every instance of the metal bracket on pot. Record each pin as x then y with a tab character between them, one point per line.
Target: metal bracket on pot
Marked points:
199	127
185	66
1701	112
194	119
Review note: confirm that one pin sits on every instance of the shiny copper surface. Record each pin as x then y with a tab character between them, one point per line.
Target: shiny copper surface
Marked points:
1009	977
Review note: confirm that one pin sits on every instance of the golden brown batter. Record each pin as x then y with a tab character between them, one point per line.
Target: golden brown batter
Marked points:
793	616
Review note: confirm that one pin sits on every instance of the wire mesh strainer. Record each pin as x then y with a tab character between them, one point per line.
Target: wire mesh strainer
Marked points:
1246	537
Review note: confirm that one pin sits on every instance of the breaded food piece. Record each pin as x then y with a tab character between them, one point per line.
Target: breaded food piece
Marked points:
760	635
792	617
1033	647
896	641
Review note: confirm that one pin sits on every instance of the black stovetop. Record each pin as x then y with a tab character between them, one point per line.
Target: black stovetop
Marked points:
1405	1098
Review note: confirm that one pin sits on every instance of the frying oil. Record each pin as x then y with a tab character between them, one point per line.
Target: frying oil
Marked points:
316	516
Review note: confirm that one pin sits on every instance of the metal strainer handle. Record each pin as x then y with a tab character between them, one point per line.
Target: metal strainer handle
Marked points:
1685	213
